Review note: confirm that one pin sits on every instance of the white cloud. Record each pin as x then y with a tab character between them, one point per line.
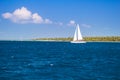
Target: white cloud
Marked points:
86	25
37	19
47	21
23	15
7	15
71	23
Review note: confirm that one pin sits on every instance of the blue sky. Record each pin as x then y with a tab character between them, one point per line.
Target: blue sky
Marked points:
27	19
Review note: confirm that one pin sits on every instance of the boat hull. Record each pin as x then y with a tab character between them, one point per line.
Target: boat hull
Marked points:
78	42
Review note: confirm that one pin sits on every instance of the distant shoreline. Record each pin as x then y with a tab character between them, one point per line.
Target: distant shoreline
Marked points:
68	39
57	41
87	39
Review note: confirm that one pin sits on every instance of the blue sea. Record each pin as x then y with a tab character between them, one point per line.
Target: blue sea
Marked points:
39	60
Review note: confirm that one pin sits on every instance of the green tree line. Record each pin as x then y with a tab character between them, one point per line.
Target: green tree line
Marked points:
108	38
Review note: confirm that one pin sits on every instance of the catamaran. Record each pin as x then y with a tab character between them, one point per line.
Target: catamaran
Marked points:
77	36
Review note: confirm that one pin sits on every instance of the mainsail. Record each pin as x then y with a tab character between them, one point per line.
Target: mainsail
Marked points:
77	34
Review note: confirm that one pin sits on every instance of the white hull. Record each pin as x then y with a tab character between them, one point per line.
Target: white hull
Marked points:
78	42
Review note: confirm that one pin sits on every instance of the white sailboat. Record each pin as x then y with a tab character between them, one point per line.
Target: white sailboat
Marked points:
77	36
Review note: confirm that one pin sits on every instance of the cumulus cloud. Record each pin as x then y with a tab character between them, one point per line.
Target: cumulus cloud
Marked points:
23	15
37	18
71	23
86	25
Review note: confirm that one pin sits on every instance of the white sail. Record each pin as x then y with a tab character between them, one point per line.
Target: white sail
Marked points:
79	33
75	35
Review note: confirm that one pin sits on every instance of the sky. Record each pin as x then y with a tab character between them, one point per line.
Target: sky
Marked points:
29	19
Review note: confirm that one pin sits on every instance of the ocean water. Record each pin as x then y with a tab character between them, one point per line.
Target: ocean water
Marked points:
30	60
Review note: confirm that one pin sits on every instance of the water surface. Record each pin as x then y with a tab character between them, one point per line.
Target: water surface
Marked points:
29	60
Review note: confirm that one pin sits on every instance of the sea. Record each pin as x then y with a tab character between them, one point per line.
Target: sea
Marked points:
44	60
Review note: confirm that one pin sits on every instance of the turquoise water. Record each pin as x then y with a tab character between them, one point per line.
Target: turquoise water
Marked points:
27	60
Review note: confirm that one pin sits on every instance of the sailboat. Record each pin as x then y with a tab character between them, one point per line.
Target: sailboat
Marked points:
77	36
